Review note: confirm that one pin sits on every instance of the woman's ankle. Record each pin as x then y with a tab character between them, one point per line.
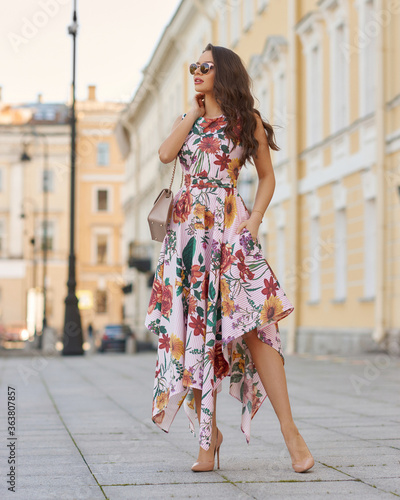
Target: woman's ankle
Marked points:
289	428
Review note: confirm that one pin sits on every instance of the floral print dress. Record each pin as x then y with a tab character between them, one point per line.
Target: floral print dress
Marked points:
211	286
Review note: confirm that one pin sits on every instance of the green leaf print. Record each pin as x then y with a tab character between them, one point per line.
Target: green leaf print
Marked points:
212	291
237	377
201	259
188	253
225	148
210	343
200	311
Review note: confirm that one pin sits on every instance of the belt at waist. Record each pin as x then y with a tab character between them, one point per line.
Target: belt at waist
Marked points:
204	182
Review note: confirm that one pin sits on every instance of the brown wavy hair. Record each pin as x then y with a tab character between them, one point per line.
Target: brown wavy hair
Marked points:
232	91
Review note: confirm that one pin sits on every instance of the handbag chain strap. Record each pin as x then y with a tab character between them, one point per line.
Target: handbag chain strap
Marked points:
173	173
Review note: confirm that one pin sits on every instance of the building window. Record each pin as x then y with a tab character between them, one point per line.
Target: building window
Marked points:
101	248
48	228
103	154
222	26
340	82
101	301
102	200
314	96
1	238
280	115
367	57
235	21
315	261
48	181
261	4
340	254
281	248
248	14
370	248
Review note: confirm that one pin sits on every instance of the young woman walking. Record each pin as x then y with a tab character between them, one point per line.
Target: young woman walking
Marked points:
215	301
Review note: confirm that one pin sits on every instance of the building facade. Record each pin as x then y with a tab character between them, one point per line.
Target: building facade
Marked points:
326	75
99	216
34	187
35	192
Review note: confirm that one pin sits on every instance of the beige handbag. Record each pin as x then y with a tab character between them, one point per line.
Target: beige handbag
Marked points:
161	212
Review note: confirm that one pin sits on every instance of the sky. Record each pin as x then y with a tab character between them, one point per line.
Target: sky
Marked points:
115	41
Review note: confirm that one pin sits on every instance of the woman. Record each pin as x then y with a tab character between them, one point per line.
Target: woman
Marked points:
215	302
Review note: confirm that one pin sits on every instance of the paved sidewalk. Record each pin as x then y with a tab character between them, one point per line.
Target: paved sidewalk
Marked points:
84	432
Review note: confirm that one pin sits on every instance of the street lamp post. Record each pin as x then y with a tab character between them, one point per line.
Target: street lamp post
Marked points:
25	157
72	338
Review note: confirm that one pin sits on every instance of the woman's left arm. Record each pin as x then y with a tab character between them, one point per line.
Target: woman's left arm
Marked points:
266	181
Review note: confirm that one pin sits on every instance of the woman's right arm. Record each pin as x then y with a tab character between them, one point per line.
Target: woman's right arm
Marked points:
180	129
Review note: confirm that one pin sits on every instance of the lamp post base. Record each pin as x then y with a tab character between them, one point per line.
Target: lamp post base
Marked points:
72	338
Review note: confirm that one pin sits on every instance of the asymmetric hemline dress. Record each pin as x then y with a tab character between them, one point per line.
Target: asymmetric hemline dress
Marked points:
211	286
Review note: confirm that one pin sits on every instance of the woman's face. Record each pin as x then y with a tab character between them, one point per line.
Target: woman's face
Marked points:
204	83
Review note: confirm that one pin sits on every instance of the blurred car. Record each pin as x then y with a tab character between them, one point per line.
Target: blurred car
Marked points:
14	335
114	338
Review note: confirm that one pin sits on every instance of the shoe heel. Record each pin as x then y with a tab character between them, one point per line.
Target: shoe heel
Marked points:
218	456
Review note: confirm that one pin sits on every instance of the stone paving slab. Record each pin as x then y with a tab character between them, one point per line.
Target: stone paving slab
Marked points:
84	432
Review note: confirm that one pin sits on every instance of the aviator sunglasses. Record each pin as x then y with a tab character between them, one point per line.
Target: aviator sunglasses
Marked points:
204	68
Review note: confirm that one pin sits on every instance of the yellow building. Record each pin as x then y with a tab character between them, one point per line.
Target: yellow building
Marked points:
326	72
99	216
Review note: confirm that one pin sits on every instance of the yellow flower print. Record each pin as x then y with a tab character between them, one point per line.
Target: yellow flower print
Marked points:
176	346
272	308
230	210
162	400
199	210
208	219
227	303
234	169
186	378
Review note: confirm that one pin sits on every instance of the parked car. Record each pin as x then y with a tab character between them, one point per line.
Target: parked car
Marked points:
14	335
114	338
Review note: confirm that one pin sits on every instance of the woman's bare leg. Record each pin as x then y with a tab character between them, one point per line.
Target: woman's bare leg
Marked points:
205	456
270	368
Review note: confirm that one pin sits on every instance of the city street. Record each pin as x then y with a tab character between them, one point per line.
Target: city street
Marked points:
84	432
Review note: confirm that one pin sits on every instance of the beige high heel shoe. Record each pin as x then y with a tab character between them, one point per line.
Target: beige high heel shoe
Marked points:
209	464
306	464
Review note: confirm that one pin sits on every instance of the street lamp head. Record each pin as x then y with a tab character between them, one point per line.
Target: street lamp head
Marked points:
25	156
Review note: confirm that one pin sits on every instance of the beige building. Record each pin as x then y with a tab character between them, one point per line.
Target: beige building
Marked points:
326	72
31	129
99	176
99	216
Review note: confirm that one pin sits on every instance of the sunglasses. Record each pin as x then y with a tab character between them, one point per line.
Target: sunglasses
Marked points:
204	68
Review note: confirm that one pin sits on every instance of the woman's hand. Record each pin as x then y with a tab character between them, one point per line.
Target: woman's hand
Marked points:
252	224
198	108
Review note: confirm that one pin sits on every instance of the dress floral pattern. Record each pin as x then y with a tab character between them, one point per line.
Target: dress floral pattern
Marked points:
211	286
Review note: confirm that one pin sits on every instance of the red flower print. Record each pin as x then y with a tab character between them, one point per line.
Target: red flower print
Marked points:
195	273
166	300
215	124
270	287
209	145
183	207
216	357
222	160
243	268
198	325
204	285
227	258
156	295
164	342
